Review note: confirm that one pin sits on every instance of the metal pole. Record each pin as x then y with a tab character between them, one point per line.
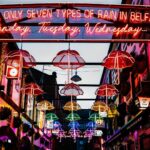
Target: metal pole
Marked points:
77	40
58	5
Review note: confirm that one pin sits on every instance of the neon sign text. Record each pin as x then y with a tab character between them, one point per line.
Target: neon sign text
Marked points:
45	27
117	31
105	14
72	31
22	30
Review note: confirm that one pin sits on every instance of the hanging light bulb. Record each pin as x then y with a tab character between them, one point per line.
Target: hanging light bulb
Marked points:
76	78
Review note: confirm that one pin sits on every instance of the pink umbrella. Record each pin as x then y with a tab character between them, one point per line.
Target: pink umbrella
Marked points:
118	60
71	89
32	89
68	59
106	90
17	56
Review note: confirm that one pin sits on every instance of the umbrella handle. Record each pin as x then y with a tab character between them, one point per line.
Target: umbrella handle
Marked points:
118	74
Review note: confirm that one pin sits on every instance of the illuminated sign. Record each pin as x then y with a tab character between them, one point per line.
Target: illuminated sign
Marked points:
144	102
79	23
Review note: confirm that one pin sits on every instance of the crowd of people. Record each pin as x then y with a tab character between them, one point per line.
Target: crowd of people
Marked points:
16	135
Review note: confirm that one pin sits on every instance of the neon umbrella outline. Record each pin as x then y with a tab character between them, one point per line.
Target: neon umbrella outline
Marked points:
74	124
61	134
51	116
22	56
99	106
91	125
88	134
73	117
72	106
112	112
72	57
118	60
106	90
44	105
32	89
94	117
71	89
74	133
57	125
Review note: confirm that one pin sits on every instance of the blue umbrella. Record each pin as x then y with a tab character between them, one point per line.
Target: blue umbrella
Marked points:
57	124
74	124
91	124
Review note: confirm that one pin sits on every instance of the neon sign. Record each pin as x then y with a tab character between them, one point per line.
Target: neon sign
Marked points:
46	18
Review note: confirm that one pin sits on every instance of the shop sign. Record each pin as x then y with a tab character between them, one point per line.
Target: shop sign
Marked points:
144	102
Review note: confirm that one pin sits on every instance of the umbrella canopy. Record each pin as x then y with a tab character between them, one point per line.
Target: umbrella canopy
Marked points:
13	58
32	89
99	106
76	78
72	106
118	60
71	89
73	117
45	105
112	112
106	90
74	124
57	125
68	59
91	125
51	116
74	133
94	117
88	133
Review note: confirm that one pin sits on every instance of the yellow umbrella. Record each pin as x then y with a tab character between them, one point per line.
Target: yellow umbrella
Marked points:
72	106
112	112
45	105
99	106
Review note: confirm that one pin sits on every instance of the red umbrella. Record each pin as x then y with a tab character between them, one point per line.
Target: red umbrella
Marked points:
71	89
68	59
20	57
106	90
118	60
32	89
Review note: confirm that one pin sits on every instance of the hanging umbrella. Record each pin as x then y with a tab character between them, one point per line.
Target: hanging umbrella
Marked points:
112	112
74	125
51	116
73	117
72	106
14	57
74	133
45	105
91	125
99	106
94	117
61	134
57	124
88	134
76	78
106	90
118	60
62	58
32	89
71	89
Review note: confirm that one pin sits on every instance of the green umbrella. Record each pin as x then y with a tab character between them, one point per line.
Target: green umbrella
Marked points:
51	116
95	116
73	117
